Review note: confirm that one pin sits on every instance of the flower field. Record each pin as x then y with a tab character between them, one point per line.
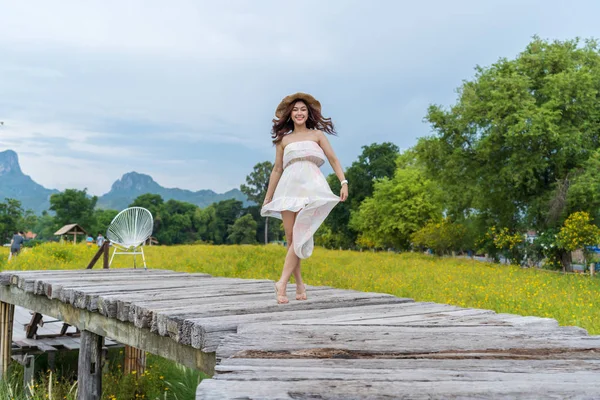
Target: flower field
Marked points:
571	299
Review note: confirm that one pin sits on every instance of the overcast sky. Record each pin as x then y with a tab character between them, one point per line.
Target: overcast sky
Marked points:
186	90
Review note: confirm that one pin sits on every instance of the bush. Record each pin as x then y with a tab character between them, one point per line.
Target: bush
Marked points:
440	236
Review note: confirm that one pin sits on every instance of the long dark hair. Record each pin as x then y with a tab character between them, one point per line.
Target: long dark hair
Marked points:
315	120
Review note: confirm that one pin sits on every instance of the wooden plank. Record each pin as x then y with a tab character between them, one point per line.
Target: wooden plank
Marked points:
118	303
52	287
144	309
206	332
407	370
358	341
523	389
20	278
171	322
82	297
89	371
230	367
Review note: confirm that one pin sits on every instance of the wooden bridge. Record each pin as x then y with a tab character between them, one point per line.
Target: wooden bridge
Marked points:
340	344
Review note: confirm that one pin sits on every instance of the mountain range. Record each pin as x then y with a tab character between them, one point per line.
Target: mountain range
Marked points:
16	185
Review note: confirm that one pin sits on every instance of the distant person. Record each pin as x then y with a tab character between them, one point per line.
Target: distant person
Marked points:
89	240
16	243
298	192
100	240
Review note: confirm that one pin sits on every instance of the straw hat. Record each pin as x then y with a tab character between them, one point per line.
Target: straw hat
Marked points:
287	100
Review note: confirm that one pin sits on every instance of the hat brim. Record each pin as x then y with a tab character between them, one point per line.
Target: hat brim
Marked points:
287	100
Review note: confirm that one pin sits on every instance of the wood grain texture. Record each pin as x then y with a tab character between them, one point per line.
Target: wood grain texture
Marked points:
339	344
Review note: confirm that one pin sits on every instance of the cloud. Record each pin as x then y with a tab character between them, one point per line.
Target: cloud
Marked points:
187	90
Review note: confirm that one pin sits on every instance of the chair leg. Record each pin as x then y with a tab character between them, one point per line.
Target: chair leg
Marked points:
143	258
113	256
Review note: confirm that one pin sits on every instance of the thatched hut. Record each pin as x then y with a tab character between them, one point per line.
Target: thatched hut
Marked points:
71	229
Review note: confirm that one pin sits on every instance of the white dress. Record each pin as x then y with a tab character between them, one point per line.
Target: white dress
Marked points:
302	187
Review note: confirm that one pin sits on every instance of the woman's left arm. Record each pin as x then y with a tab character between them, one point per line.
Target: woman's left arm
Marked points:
335	164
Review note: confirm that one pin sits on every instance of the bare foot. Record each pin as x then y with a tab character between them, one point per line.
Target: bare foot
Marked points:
301	294
281	298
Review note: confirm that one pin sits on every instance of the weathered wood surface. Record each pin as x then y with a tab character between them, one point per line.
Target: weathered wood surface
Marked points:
136	307
339	344
406	351
91	361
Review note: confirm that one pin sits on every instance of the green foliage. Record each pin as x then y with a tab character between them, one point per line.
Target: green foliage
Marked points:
518	132
27	221
243	230
512	244
257	182
73	207
398	208
45	226
213	221
163	379
441	236
153	203
102	219
584	189
578	232
10	214
546	247
176	224
376	161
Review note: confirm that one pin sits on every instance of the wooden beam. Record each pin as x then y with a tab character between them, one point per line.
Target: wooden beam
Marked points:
102	251
105	247
31	328
123	332
7	312
89	372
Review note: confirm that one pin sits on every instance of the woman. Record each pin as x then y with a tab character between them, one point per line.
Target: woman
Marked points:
298	192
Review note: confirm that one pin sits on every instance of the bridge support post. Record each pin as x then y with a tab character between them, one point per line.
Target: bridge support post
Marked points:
7	313
89	374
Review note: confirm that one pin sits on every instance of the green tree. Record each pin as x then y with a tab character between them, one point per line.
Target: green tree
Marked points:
376	161
74	207
153	203
442	236
256	187
398	208
10	214
519	132
177	225
577	232
583	190
102	219
45	226
243	230
212	222
27	221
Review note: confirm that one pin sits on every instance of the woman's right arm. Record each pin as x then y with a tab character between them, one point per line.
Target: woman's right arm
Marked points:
275	173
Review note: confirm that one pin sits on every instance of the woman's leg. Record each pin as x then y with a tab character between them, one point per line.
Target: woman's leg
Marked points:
296	272
291	259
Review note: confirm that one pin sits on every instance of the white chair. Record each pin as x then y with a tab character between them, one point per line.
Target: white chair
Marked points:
128	232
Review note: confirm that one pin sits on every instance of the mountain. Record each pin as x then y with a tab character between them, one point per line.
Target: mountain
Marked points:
15	184
133	184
